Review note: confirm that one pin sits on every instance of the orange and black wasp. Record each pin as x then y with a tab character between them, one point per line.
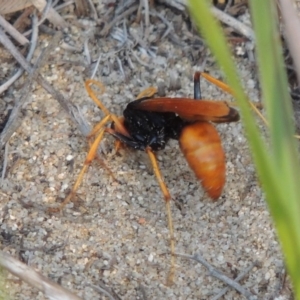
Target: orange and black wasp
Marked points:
147	125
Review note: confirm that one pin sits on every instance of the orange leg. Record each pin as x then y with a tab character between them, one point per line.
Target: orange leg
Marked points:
118	145
147	93
167	197
97	132
223	86
118	124
103	164
89	158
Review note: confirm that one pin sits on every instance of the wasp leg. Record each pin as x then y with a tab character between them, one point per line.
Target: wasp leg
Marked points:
89	158
137	145
226	88
223	86
103	164
197	89
91	93
118	145
126	140
167	197
118	121
147	93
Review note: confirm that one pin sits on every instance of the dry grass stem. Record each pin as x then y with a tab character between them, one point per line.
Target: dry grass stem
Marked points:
234	23
51	14
33	43
102	289
10	6
11	30
13	121
241	276
292	24
217	274
73	112
117	19
33	278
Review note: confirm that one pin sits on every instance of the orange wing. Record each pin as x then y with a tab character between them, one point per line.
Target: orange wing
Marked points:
189	109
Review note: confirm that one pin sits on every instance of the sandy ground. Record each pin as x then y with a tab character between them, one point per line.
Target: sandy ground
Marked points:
117	234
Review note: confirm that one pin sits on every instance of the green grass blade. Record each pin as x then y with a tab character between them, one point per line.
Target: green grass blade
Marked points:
279	111
216	41
279	171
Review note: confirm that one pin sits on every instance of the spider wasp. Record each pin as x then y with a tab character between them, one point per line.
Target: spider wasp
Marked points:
148	123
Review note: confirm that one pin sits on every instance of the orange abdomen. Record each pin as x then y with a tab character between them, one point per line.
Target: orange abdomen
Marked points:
201	146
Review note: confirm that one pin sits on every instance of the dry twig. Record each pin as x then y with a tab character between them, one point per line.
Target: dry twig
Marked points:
52	15
33	278
241	276
234	23
165	21
220	15
102	289
217	274
126	13
43	18
123	6
10	6
63	5
13	121
4	162
292	23
73	112
33	43
11	30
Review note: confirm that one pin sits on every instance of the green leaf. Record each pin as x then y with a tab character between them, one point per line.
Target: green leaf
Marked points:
277	165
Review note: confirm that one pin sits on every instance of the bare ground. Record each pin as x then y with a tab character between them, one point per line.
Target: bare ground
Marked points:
116	234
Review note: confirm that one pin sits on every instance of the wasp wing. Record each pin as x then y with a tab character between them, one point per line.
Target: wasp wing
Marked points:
189	109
